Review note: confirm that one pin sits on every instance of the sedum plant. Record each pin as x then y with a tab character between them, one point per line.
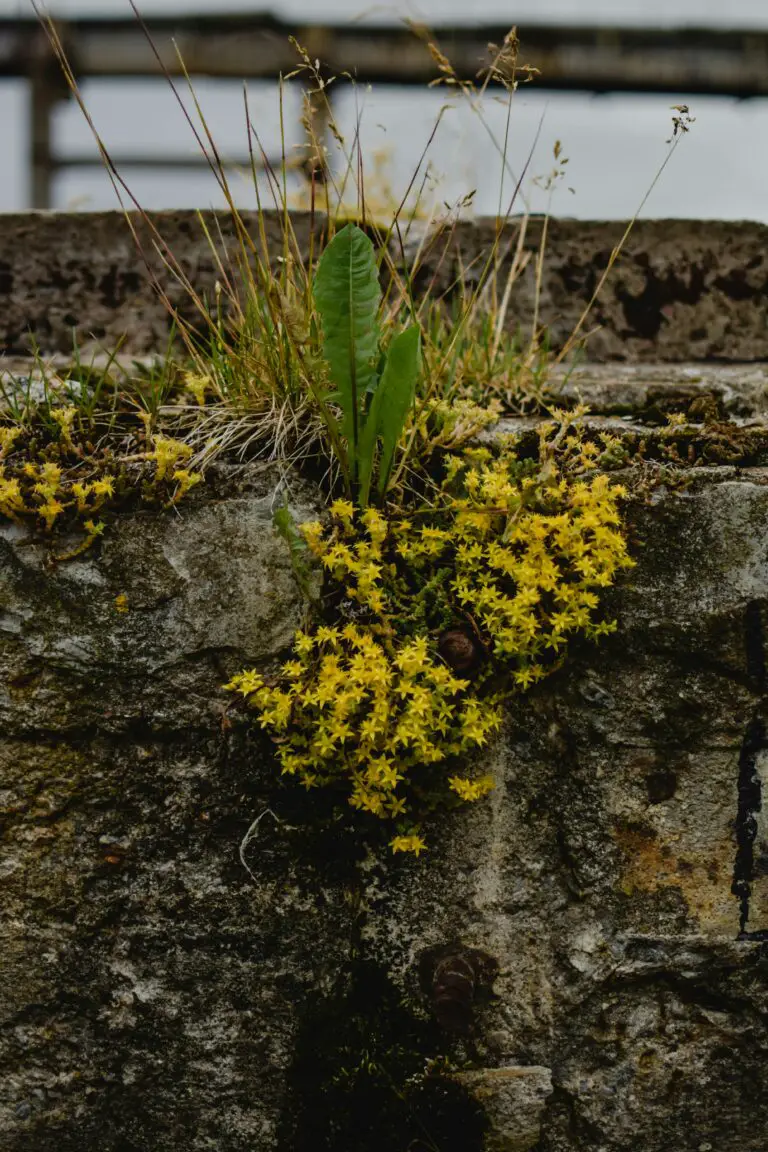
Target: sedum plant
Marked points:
53	477
454	578
446	610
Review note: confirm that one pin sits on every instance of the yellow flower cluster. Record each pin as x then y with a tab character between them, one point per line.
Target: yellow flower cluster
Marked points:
450	424
91	496
529	557
199	386
352	712
65	418
43	490
353	556
470	790
514	551
413	843
167	453
40	491
8	435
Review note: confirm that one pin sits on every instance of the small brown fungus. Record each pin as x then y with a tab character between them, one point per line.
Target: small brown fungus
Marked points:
460	650
453	977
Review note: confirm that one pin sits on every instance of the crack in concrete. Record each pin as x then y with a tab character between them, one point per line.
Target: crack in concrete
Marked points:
754	747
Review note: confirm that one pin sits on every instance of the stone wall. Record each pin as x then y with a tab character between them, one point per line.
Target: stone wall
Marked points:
681	291
590	941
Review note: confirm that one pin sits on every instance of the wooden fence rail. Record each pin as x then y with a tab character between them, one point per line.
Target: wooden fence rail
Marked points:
683	62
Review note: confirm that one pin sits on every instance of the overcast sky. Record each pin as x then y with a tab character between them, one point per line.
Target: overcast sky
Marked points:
720	13
615	144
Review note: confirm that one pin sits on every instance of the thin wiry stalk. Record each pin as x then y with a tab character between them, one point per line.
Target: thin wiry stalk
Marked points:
258	341
570	342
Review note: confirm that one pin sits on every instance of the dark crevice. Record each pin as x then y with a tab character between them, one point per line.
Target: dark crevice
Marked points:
754	642
644	312
736	286
136	729
754	743
712	987
360	1080
749	804
760	935
700	662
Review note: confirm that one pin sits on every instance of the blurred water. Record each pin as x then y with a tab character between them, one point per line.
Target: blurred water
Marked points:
615	144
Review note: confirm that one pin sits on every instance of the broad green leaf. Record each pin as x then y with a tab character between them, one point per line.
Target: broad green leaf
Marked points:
347	296
389	409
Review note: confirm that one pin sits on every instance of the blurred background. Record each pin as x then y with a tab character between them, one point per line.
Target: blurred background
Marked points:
611	70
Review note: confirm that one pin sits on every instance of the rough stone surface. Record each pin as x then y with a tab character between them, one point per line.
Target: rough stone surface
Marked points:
740	391
148	986
602	873
155	995
681	291
160	994
643	391
89	276
514	1099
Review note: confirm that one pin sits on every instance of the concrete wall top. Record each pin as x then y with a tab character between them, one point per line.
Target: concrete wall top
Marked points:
681	291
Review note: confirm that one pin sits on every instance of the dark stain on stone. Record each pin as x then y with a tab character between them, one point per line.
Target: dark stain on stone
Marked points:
6	278
661	785
636	830
736	286
115	285
644	313
749	804
578	278
750	801
754	642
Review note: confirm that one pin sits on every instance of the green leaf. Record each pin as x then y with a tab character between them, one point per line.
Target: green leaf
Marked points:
389	409
347	296
285	526
398	385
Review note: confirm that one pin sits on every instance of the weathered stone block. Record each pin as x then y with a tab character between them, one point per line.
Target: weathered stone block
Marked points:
514	1099
683	290
154	992
157	995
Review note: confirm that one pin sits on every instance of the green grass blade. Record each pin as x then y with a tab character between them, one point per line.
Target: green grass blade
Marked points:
369	435
398	387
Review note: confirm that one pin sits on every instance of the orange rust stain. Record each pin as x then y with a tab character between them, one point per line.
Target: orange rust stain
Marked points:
702	878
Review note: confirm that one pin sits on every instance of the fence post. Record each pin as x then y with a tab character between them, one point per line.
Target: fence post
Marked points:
41	161
47	87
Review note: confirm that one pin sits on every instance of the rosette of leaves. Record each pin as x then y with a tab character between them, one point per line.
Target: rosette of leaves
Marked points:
373	389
